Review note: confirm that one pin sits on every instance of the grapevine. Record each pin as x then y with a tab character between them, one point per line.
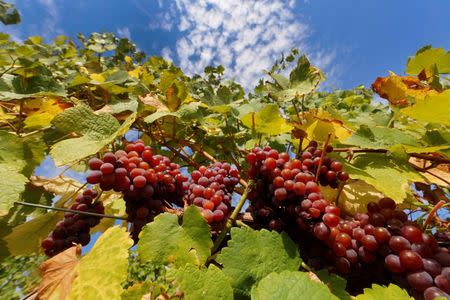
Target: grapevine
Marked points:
181	186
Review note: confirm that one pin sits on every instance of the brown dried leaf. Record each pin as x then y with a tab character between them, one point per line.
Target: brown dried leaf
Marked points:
152	100
58	185
439	175
58	273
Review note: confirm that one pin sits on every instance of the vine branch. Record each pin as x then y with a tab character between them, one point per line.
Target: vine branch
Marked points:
70	210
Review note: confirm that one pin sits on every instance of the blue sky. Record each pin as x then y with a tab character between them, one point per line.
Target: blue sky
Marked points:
352	41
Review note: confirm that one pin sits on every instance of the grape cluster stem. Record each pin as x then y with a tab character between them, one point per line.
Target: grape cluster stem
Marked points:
232	219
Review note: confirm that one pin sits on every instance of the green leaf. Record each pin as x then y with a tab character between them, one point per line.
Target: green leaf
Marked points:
251	255
184	111
164	241
391	292
426	58
204	283
12	185
290	285
8	14
102	270
97	131
267	121
303	79
82	120
432	109
390	176
18	157
136	291
26	238
375	137
16	87
335	283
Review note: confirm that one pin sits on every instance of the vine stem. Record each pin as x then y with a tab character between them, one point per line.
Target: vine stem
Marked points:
232	219
416	155
324	148
70	210
433	213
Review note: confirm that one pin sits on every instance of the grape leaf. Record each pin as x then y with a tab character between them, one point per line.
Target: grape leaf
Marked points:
11	87
388	175
303	79
335	283
354	197
380	137
22	154
204	283
391	292
48	109
251	255
183	111
58	274
12	185
319	124
290	285
136	291
9	14
432	109
102	270
426	58
267	121
97	132
26	238
164	241
397	89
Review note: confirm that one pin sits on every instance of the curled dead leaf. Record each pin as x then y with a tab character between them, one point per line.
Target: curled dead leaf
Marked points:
58	273
152	100
397	89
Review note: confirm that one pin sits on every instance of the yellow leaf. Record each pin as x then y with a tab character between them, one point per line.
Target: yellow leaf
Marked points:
5	117
319	124
136	72
102	270
128	59
58	274
47	110
97	77
397	89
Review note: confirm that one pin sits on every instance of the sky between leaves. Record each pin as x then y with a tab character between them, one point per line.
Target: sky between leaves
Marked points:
352	41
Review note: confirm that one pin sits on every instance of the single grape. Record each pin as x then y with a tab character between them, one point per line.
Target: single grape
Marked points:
431	266
420	280
433	292
399	243
393	263
443	283
411	260
321	231
412	234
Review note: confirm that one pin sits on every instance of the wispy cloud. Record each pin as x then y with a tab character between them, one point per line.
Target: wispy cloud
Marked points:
243	36
49	23
124	32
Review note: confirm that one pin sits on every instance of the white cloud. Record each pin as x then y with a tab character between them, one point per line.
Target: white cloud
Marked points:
245	37
124	32
167	53
48	25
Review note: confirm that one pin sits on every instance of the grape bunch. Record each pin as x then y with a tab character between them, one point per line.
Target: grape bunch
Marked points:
366	248
285	192
330	172
74	229
384	236
211	189
148	181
